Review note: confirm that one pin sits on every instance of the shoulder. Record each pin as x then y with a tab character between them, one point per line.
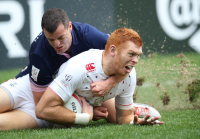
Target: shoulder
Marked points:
78	63
87	29
80	26
86	56
38	46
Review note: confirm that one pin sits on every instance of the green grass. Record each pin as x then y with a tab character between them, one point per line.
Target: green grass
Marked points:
173	74
182	124
181	117
8	74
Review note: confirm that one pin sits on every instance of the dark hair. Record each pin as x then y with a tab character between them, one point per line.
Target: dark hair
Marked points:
52	18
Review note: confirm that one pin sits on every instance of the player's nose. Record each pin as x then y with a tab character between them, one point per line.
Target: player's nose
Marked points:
57	43
135	59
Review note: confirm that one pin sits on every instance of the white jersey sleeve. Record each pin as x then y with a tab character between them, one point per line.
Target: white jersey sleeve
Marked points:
125	99
68	79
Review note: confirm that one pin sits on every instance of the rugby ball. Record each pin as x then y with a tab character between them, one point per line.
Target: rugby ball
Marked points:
74	104
143	110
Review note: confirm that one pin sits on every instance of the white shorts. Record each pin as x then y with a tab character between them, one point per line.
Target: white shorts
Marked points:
21	98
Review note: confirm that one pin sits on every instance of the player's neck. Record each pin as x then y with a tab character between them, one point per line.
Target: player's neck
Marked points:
107	65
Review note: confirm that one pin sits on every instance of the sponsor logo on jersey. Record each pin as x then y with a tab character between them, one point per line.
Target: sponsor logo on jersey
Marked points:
90	67
34	73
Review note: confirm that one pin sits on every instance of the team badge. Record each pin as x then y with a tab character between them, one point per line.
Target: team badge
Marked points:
34	73
66	80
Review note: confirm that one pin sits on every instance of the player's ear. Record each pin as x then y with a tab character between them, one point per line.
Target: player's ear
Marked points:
112	50
70	26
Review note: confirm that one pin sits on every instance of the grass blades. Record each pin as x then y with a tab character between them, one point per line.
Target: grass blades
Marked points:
168	75
182	124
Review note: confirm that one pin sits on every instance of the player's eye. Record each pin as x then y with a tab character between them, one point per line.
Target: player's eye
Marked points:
60	38
51	40
131	54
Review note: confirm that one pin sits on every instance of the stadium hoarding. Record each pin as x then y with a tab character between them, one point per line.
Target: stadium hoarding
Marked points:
166	26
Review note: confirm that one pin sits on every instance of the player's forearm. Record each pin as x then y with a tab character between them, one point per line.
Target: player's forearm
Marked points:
125	119
56	114
124	116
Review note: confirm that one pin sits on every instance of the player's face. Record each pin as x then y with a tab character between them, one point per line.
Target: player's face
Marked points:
127	58
61	39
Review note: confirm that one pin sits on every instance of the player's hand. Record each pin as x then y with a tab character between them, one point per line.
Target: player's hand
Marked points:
87	108
100	88
147	120
100	113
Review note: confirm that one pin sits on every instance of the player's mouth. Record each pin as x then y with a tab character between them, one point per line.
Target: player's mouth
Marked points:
128	68
60	48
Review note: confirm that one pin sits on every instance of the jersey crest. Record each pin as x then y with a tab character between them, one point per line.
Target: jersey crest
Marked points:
66	80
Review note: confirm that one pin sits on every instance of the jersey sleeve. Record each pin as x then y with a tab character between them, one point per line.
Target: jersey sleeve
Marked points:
23	72
70	77
95	38
39	72
125	100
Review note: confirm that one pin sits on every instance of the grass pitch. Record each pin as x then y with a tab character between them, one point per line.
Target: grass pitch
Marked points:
183	124
165	76
168	75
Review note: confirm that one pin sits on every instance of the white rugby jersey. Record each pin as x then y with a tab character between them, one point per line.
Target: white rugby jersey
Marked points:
79	72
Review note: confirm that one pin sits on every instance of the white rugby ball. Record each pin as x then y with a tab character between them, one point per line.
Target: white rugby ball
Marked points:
143	110
74	104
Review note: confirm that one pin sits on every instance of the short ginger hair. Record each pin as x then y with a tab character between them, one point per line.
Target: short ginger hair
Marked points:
122	35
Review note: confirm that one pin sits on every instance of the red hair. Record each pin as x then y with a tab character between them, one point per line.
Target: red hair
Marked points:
122	35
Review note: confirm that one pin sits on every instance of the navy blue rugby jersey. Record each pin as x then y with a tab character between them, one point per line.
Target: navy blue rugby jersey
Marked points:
44	60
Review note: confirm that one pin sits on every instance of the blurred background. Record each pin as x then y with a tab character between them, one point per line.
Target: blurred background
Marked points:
166	26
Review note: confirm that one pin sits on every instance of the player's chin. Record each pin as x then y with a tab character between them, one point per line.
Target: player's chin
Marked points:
122	73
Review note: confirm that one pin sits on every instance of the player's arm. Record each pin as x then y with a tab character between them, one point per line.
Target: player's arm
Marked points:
124	116
128	117
37	92
51	108
101	88
37	96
